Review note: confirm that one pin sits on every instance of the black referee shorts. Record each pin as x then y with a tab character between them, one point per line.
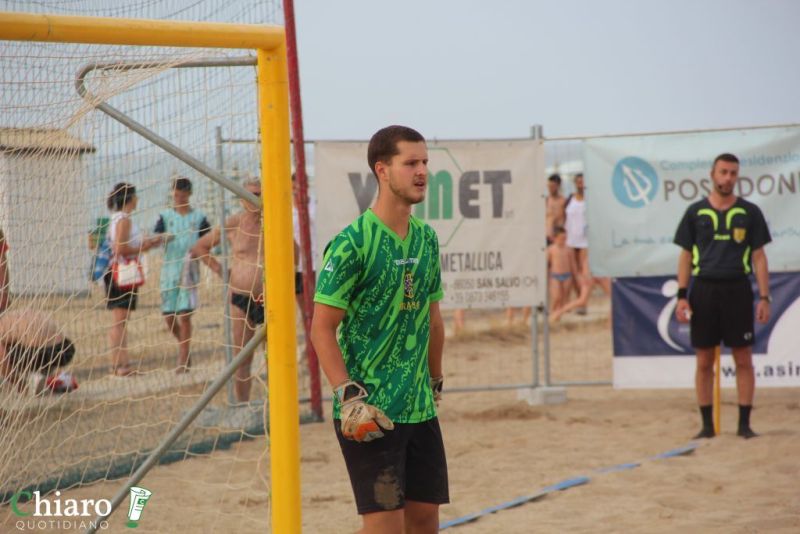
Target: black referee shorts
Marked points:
407	463
722	310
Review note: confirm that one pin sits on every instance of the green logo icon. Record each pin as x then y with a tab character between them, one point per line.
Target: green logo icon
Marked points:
139	497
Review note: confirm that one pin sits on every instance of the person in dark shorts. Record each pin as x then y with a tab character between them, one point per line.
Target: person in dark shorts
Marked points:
244	232
723	238
126	242
31	342
381	281
253	310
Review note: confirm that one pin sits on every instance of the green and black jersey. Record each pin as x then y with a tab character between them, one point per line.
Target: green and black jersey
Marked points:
721	242
385	285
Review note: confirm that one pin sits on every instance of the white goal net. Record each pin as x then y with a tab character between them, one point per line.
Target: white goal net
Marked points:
60	158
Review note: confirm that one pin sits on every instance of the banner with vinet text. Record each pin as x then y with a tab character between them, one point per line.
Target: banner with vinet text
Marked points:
653	350
638	187
485	201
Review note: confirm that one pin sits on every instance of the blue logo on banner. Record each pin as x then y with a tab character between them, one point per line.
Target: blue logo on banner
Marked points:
634	182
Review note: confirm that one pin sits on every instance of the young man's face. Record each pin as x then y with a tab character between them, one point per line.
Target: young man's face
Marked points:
407	172
553	187
579	184
180	198
724	175
256	190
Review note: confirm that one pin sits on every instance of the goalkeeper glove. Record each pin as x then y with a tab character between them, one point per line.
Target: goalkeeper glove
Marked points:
360	421
436	387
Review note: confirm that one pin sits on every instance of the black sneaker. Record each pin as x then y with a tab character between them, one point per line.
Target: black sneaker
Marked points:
705	433
746	433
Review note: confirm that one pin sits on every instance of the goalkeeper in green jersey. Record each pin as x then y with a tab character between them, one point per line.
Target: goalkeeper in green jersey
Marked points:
381	282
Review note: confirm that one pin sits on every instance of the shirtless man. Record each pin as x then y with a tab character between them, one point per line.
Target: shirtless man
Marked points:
246	277
555	204
30	341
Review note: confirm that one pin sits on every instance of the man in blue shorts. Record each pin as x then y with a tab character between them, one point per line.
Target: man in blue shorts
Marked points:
381	281
183	225
722	238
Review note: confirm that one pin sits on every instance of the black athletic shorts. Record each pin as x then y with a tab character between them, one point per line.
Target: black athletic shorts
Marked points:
722	310
407	463
119	298
252	309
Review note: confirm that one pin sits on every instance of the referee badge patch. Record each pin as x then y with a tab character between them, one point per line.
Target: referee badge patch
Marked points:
739	234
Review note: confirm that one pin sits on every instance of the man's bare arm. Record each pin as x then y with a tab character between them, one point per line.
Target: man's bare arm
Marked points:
762	279
761	271
323	336
682	309
202	250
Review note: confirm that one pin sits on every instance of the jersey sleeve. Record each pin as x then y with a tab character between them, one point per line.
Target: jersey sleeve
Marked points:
684	235
435	293
339	276
160	226
205	227
759	233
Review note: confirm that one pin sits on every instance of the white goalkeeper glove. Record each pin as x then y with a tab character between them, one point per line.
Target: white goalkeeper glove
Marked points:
360	421
436	386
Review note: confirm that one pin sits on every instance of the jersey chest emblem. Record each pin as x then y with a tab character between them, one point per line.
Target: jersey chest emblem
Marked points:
739	234
408	285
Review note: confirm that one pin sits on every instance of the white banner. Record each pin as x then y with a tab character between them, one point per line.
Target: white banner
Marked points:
485	200
637	189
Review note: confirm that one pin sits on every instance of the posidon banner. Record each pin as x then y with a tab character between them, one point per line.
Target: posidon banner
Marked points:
485	200
638	187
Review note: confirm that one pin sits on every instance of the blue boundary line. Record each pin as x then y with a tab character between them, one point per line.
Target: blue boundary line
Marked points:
563	485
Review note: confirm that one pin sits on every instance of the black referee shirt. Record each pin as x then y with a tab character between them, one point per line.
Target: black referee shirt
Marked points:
721	242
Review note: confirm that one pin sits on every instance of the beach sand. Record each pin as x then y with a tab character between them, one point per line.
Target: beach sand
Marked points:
500	448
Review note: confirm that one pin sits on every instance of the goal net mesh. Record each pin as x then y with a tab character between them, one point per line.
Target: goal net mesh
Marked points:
59	159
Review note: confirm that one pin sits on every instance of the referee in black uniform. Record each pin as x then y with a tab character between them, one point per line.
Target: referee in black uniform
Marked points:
723	238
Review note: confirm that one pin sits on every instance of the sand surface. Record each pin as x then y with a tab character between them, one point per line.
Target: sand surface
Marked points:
500	448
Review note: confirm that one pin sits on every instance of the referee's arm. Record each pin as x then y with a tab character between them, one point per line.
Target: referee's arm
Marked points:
682	310
762	279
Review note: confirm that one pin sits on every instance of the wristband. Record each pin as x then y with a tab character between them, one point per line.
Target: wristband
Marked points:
682	291
768	298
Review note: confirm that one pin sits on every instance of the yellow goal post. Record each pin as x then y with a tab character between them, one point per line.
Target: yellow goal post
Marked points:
273	109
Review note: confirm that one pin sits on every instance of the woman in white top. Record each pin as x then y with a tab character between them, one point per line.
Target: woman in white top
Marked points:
126	242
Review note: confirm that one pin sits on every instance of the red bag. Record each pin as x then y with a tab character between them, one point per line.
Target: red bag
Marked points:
127	274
